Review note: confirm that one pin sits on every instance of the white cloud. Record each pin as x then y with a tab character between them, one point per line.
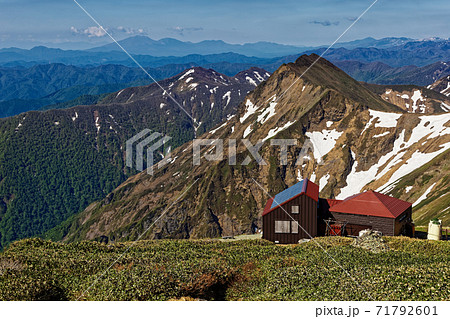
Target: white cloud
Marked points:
130	31
91	32
97	32
183	30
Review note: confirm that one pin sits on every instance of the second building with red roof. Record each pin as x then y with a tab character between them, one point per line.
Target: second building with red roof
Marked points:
298	213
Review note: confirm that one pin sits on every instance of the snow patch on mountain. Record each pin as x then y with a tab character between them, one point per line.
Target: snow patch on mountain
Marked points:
323	142
446	91
416	160
247	131
445	107
97	124
251	81
213	90
119	93
216	129
382	134
424	195
429	127
323	181
299	175
385	119
251	109
417	95
193	86
277	130
190	71
227	96
258	76
132	97
267	114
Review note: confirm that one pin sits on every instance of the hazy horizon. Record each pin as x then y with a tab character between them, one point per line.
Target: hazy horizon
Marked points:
27	23
86	45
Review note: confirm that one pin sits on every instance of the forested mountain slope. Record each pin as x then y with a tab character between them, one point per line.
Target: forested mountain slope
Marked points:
54	163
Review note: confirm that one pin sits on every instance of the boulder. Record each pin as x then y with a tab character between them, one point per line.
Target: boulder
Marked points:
371	240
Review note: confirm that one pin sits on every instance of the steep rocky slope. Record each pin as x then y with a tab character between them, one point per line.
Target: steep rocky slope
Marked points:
55	163
431	182
442	86
412	98
324	104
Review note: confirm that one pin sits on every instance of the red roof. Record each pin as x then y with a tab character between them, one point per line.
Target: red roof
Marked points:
312	190
303	187
371	203
332	202
268	205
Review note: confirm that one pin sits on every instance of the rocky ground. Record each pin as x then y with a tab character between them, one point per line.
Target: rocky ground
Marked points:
372	241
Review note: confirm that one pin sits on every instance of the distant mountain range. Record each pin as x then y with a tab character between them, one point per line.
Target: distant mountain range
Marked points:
42	80
61	86
143	45
25	84
153	53
42	55
417	53
381	73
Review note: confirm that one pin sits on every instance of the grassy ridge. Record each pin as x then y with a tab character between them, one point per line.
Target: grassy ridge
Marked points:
34	269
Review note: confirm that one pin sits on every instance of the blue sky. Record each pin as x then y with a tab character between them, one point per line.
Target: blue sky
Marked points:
303	22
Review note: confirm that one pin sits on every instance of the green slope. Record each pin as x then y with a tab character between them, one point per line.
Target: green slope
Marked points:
413	269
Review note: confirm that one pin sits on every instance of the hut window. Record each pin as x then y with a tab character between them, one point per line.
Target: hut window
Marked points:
282	226
295	210
294	227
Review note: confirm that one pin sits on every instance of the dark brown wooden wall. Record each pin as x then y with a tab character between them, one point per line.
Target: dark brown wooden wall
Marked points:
400	226
307	218
323	213
359	222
